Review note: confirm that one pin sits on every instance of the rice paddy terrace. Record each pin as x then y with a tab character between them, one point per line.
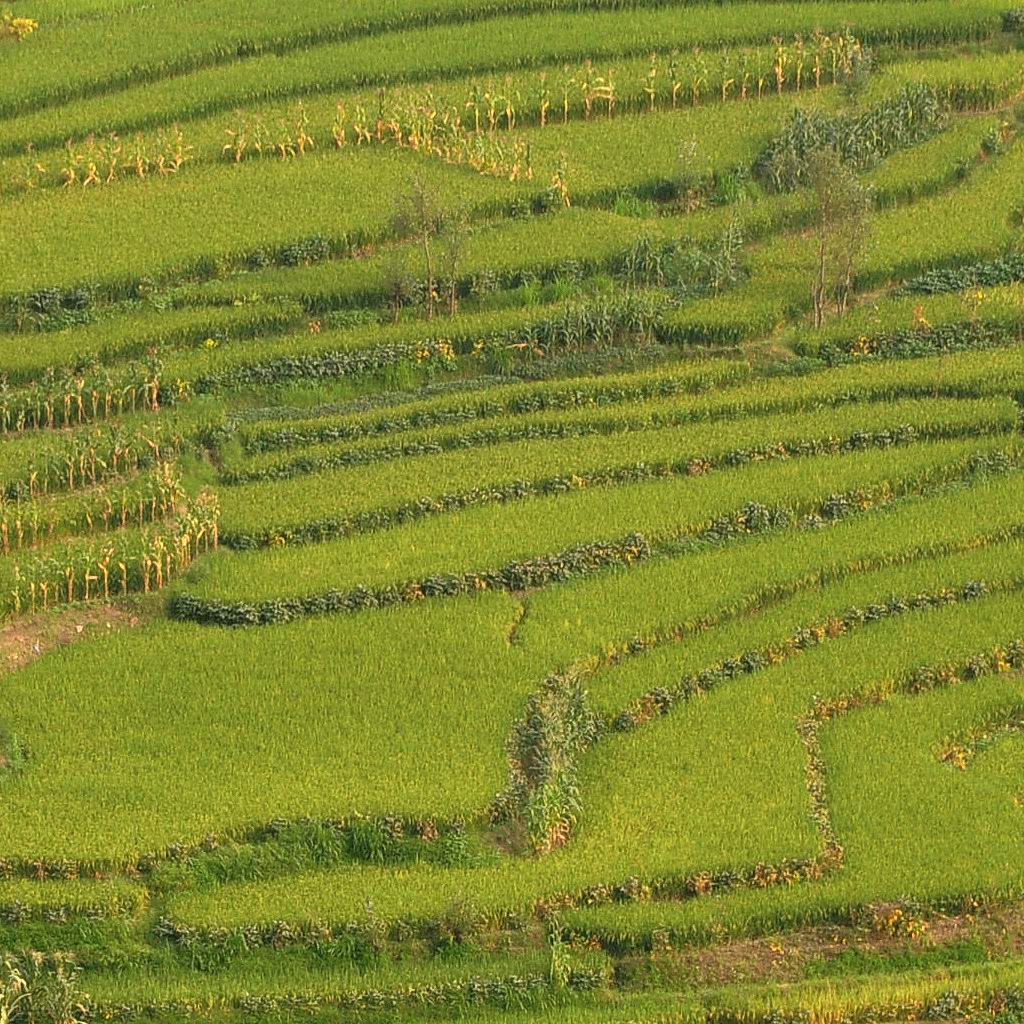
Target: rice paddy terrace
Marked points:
512	511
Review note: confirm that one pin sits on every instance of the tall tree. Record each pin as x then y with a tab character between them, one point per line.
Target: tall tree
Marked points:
842	228
419	215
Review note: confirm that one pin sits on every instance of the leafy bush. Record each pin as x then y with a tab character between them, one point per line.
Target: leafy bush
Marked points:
991	274
915	114
38	988
1013	20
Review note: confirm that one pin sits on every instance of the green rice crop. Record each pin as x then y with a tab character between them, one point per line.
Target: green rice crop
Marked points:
26	356
965	374
588	617
47	236
975	81
344	495
891	313
933	165
594	239
479	538
970	222
747	789
503	42
34	899
582	237
166	742
714	647
267	975
914	830
281	428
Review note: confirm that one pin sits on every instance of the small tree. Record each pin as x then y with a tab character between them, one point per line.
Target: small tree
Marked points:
842	226
455	236
399	282
419	215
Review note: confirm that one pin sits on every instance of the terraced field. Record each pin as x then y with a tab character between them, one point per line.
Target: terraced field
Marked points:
512	511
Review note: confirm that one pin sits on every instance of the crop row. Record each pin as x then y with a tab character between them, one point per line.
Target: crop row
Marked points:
907	533
220	686
471	543
579	241
558	459
582	241
28	354
364	174
731	394
991	274
853	747
553	93
134	502
113	53
928	340
471	993
449	424
510	43
279	430
988	990
425	119
58	901
972	221
948	314
235	239
40	462
121	562
255	213
497	341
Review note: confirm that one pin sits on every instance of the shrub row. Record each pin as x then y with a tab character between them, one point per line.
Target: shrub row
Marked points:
475	991
924	340
275	847
1007	269
575	326
544	750
16	912
383	518
536	572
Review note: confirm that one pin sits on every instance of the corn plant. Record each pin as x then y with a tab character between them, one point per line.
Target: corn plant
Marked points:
122	562
912	116
27	522
72	397
40	987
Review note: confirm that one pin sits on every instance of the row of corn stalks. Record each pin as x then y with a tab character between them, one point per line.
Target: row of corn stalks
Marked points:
83	459
146	561
148	499
73	397
105	160
670	81
420	122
